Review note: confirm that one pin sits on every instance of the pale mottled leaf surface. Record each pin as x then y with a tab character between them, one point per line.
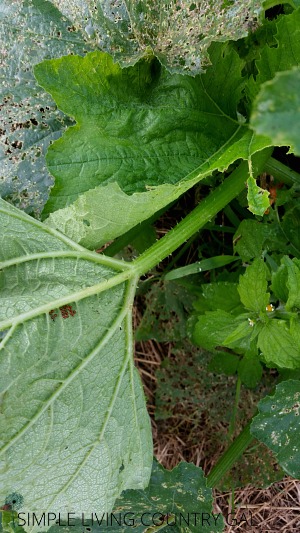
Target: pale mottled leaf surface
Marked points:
30	31
178	33
276	110
278	423
74	430
142	138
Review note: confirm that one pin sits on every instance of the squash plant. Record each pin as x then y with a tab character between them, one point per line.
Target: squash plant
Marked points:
148	107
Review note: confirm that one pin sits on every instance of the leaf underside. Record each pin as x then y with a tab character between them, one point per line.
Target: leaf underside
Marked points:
74	430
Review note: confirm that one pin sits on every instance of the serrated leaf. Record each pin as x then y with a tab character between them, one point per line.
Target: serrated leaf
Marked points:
253	287
213	328
280	345
74	430
143	137
293	282
212	298
30	31
276	110
279	283
249	239
179	34
240	336
278	424
258	198
278	56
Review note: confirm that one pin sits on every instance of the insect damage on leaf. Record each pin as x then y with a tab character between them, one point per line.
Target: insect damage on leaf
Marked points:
178	33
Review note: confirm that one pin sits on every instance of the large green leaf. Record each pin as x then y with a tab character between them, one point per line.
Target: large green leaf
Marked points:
137	129
30	31
74	430
178	33
278	425
278	56
276	111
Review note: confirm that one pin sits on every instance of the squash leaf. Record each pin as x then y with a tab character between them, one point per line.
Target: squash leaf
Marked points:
74	429
142	138
177	33
276	111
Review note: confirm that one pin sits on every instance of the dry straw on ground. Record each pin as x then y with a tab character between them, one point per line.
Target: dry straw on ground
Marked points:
178	438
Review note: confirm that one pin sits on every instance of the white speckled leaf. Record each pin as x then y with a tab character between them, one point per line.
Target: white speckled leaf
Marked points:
278	425
178	33
74	430
30	31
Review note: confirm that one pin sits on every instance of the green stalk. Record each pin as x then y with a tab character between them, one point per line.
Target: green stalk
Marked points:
201	215
235	408
282	172
227	460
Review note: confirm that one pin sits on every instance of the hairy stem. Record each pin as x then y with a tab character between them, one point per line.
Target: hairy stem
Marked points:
201	215
227	460
282	172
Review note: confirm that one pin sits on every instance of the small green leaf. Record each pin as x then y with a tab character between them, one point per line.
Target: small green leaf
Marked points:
279	283
249	239
253	287
240	337
212	298
280	345
276	110
258	198
278	425
293	282
213	328
201	266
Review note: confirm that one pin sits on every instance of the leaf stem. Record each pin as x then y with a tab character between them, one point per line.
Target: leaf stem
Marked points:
282	172
201	215
235	408
226	461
